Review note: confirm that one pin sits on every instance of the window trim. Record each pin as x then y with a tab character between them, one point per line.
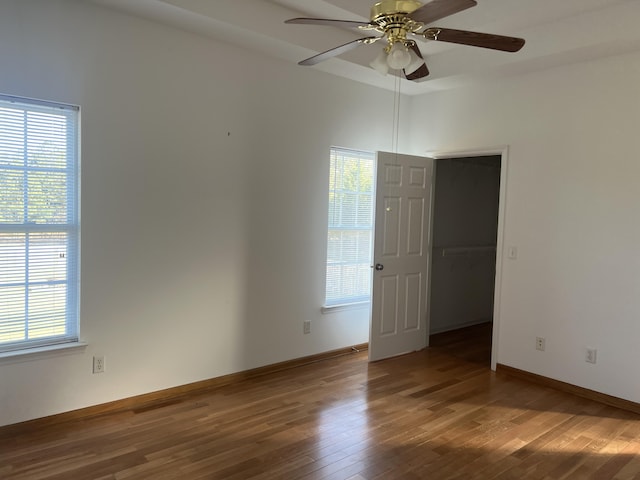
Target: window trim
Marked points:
344	307
70	228
13	356
346	303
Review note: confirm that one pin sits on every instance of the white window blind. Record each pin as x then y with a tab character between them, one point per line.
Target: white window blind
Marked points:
349	241
39	231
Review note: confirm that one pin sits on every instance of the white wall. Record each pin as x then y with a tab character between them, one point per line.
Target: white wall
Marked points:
571	209
203	252
204	201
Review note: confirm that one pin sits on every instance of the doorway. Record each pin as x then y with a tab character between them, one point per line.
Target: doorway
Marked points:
466	212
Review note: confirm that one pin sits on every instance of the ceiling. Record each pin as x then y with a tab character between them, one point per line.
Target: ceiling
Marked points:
557	32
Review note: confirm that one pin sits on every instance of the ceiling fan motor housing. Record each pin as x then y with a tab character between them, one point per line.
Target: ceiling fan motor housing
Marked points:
391	7
392	19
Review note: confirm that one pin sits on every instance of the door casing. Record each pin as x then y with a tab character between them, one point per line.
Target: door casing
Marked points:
503	151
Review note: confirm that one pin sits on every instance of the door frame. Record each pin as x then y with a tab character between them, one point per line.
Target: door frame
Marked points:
503	151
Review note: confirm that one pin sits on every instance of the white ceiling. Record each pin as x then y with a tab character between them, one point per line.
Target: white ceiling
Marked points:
556	31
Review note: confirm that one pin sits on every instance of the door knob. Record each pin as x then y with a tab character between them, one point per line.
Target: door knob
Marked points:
379	266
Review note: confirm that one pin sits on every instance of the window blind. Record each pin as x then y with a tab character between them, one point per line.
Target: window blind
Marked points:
349	240
39	230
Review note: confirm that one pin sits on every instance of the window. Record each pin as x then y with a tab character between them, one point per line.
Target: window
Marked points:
39	230
349	240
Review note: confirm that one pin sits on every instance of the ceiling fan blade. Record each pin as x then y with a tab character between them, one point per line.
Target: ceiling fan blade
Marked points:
422	71
338	50
326	21
437	9
475	39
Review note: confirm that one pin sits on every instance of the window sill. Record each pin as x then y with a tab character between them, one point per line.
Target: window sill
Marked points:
35	353
345	306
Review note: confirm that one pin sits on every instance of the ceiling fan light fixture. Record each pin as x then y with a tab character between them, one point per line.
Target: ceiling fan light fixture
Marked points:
415	64
398	57
379	64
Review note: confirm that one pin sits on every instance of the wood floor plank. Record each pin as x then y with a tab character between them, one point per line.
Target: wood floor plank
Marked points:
436	414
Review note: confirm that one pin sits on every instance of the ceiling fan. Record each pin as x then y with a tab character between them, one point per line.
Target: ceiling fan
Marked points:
397	21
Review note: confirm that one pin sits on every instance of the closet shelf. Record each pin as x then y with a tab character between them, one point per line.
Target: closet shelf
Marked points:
466	251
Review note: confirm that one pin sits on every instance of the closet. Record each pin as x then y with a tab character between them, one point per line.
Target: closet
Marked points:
465	227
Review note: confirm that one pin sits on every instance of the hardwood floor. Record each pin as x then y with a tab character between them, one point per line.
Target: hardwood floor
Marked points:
427	415
472	344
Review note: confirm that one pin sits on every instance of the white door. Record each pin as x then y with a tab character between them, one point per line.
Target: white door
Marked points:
401	255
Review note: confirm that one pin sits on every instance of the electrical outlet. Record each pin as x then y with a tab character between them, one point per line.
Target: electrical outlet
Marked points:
98	364
306	327
540	343
592	355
